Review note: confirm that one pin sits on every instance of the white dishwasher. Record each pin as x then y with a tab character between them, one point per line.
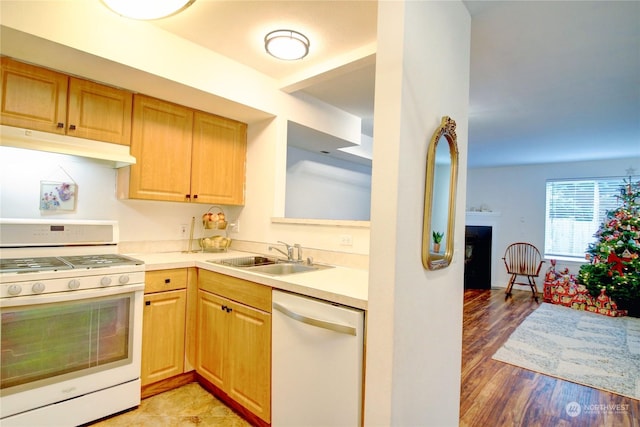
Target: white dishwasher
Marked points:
317	358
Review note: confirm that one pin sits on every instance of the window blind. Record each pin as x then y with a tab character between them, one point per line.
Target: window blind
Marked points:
575	209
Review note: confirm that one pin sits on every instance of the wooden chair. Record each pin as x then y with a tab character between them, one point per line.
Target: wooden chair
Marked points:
522	259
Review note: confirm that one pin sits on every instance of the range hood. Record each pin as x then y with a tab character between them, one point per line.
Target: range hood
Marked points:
62	144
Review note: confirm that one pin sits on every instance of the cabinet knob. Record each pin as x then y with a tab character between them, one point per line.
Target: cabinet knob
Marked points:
72	127
147	303
60	125
195	196
188	196
167	281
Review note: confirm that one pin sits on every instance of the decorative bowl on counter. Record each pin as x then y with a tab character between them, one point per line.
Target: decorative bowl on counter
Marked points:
215	243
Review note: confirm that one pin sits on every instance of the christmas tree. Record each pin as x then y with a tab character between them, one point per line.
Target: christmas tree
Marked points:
615	256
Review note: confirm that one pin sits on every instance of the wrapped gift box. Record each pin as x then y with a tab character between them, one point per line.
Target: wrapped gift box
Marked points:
561	288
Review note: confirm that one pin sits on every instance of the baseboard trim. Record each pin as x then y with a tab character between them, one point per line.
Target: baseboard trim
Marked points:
168	384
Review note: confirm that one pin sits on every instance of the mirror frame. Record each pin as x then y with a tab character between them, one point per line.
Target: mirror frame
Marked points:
447	129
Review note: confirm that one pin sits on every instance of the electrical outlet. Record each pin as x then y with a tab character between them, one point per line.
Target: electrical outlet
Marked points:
184	231
235	226
346	240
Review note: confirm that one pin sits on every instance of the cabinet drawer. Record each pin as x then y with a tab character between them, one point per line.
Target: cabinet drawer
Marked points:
165	280
242	291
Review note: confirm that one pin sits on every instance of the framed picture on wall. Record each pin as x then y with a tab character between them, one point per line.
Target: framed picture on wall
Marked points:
58	196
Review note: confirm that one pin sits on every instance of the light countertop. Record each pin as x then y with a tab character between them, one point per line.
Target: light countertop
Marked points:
341	285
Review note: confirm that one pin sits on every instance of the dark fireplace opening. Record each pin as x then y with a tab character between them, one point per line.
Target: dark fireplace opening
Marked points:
477	257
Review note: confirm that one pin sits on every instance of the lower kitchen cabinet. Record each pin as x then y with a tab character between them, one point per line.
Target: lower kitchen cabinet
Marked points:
164	325
233	349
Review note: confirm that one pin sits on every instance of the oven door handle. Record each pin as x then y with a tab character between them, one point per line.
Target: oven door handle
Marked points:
66	296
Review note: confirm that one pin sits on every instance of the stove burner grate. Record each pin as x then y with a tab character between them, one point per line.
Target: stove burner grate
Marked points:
102	260
12	265
25	265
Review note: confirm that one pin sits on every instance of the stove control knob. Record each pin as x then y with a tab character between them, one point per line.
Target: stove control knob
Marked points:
105	281
14	289
74	284
124	279
37	288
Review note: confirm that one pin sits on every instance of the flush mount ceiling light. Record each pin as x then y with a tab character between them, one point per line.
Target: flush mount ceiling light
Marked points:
286	44
147	9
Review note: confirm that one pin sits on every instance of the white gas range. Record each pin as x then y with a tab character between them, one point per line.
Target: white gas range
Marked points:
71	312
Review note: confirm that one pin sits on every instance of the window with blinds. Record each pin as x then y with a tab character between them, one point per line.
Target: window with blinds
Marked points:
574	211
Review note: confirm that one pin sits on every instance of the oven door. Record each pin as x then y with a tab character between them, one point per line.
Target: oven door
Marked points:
59	346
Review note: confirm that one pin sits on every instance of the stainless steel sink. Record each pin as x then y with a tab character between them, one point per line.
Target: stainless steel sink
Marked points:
247	261
280	269
269	265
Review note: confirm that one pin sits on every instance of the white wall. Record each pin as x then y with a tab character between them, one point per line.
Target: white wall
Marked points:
415	315
21	172
518	194
324	187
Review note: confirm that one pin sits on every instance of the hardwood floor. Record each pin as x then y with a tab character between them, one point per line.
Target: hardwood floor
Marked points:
498	394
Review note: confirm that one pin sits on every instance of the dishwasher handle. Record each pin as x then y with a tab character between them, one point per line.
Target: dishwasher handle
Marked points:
335	327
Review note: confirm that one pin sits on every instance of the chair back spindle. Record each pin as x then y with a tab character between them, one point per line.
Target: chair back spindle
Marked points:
523	259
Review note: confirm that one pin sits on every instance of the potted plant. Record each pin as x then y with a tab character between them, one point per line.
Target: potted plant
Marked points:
437	239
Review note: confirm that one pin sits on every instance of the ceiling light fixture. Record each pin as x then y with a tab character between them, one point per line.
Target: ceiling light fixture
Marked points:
147	9
286	44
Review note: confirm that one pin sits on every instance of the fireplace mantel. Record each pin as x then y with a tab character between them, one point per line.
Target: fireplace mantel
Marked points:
482	218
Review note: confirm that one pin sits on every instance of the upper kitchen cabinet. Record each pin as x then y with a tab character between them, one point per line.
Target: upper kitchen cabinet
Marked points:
99	112
184	155
161	143
218	161
33	97
45	100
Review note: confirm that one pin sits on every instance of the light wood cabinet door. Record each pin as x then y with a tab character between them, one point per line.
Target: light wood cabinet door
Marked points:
234	351
163	335
218	159
99	112
161	138
212	337
250	359
33	97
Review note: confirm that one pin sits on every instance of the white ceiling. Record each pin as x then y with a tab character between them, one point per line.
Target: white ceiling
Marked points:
339	33
550	80
554	81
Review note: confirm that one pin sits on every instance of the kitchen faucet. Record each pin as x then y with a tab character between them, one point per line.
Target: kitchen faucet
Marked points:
289	253
297	246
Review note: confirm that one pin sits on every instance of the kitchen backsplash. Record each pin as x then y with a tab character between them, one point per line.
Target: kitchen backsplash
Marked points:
343	259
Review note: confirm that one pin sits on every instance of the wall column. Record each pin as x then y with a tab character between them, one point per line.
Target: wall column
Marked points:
415	316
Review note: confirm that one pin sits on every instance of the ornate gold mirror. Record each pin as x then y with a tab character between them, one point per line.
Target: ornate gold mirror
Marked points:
440	196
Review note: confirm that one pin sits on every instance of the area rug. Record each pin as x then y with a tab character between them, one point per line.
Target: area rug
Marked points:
579	346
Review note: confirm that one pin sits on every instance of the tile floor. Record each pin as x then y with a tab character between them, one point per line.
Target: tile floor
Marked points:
185	406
